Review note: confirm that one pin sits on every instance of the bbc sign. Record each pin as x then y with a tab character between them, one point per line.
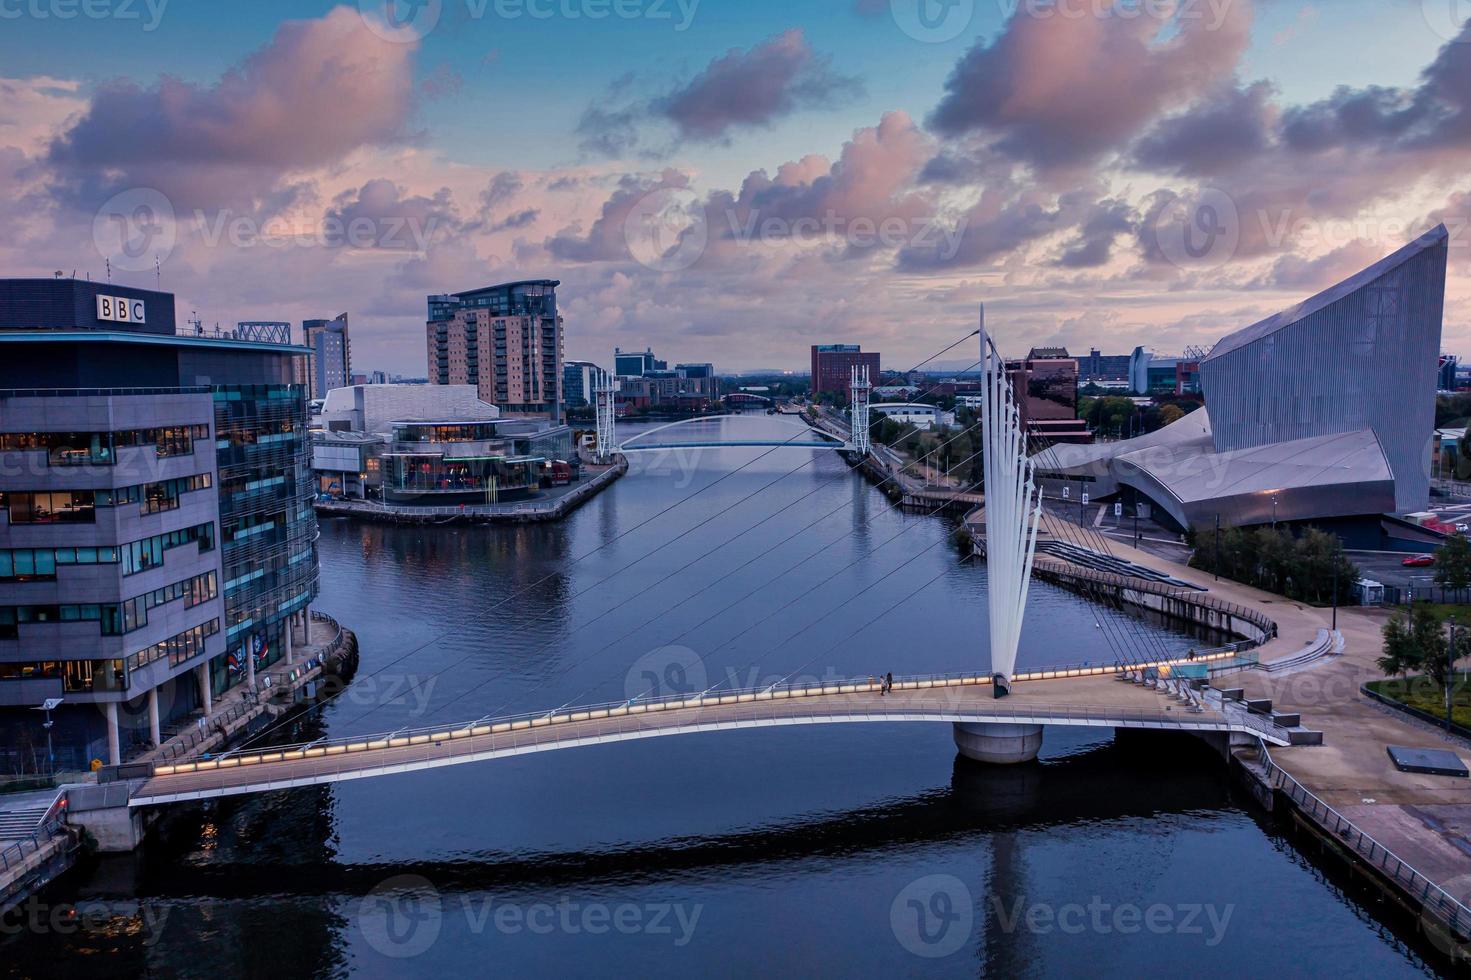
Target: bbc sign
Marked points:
120	310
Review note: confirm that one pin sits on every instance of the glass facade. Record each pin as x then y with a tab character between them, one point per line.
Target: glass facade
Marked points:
268	528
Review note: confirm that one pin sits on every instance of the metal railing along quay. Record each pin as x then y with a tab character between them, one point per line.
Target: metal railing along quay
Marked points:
14	854
1255	617
940	706
192	738
1451	911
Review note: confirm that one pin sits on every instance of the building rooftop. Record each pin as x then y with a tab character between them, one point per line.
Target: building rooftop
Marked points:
1437	236
150	339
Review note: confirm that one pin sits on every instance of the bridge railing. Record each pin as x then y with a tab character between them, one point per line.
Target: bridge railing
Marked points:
531	721
1433	898
52	821
298	767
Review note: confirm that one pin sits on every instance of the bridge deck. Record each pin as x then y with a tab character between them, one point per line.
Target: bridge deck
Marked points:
1096	701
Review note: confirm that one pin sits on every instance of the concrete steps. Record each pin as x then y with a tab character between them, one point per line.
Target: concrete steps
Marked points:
20	824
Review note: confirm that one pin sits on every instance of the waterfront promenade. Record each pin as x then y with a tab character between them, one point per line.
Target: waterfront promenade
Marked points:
1424	820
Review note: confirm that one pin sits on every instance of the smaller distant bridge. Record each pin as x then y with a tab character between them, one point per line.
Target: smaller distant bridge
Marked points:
815	438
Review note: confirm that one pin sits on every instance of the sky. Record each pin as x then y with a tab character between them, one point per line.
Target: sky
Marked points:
735	180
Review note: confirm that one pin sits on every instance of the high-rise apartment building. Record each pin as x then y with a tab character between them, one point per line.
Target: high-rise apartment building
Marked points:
505	340
330	365
832	367
157	536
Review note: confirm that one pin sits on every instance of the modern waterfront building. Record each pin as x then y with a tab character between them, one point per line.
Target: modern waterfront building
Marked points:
157	541
506	340
374	408
702	370
832	367
579	379
330	364
1346	441
430	464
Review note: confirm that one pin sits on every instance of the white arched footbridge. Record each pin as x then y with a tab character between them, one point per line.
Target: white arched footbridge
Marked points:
1084	696
814	438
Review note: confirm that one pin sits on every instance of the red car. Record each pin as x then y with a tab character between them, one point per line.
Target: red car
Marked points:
1419	561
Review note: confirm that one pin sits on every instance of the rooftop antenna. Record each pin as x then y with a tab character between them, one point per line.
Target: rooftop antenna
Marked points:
109	270
157	271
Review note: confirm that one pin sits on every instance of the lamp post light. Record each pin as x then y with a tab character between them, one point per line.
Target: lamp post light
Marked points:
48	706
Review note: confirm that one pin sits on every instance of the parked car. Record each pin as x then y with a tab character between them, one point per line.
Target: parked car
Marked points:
1419	561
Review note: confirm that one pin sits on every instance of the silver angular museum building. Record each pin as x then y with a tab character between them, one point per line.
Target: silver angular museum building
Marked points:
1323	412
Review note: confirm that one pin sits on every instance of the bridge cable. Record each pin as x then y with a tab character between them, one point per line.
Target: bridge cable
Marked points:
729	606
317	706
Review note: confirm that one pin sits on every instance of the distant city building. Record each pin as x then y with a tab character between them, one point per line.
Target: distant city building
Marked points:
1049	378
506	340
1447	375
918	415
330	365
695	370
157	542
1343	443
666	389
832	367
378	378
579	379
1100	368
636	364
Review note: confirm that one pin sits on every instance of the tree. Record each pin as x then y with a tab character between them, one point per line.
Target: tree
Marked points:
1170	414
1463	456
1453	563
1402	653
1417	642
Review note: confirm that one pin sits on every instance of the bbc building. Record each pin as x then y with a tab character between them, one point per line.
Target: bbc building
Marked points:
157	536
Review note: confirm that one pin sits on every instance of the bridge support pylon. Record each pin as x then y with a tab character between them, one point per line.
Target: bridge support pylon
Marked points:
859	389
605	394
998	744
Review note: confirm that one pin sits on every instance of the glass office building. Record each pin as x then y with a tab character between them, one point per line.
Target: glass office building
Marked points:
156	531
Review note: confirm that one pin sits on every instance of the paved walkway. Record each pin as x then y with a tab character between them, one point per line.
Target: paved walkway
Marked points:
237	707
1425	820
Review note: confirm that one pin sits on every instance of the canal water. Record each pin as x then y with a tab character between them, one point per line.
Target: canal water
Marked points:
846	850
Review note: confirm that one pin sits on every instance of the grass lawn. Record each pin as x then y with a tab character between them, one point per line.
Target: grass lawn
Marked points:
1422	693
1444	610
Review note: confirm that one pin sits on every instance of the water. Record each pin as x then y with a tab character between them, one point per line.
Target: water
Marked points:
827	850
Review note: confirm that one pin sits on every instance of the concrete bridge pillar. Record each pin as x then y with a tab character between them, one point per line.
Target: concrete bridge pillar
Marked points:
998	744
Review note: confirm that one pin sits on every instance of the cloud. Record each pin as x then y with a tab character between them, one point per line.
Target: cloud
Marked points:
606	240
755	88
380	215
1227	128
318	90
741	90
1063	90
1101	229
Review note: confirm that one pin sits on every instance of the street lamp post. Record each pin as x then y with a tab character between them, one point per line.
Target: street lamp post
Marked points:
48	706
1335	594
1217	562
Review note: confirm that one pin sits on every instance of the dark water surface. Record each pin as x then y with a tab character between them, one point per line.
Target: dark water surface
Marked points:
846	850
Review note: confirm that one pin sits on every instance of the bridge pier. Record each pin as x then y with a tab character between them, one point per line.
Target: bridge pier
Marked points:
999	744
